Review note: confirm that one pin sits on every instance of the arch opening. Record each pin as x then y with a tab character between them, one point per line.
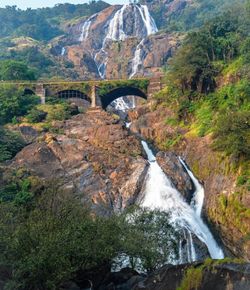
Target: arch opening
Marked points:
28	91
117	93
72	94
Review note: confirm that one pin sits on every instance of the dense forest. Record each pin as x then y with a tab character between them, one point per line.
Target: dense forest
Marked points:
43	24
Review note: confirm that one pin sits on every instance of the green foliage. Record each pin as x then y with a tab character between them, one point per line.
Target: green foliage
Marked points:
56	112
106	87
232	133
43	24
57	238
14	104
11	70
190	16
18	192
216	53
172	141
192	279
36	116
149	239
10	144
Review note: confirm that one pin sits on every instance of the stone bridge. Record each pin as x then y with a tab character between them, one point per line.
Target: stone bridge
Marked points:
99	93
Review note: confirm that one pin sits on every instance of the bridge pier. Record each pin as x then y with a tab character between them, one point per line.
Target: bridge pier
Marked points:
93	96
41	92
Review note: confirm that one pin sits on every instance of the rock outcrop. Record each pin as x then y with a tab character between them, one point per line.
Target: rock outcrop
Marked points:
95	159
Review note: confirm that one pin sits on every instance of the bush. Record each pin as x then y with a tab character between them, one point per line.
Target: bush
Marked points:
36	116
14	104
10	144
56	112
232	134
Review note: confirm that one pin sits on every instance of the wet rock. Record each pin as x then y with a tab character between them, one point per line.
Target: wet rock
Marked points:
179	177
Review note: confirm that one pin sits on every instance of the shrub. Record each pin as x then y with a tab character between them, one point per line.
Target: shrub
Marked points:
14	104
232	134
36	116
10	144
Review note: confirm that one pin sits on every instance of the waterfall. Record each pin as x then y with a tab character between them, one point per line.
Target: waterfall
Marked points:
147	19
137	60
198	197
85	29
160	194
63	51
115	30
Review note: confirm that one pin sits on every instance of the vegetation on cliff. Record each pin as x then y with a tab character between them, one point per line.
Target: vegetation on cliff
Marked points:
208	82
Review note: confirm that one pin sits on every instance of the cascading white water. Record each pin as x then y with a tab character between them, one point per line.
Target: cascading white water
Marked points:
85	29
198	197
160	194
148	19
63	51
137	60
115	30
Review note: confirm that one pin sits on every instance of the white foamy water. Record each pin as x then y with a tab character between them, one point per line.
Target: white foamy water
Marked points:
63	51
160	194
85	29
147	19
198	197
137	60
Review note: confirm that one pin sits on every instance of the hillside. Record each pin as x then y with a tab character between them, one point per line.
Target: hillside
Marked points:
49	39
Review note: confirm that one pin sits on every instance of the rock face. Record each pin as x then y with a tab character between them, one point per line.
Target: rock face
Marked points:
179	177
95	159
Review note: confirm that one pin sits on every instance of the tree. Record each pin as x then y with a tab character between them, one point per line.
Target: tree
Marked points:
150	241
15	70
13	103
10	144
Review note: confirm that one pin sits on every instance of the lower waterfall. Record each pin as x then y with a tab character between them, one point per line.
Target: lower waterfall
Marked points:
161	195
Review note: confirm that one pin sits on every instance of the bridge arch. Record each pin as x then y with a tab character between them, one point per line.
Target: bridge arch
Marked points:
72	94
28	91
116	93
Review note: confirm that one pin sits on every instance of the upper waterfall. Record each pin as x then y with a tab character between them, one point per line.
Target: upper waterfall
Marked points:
123	22
132	20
